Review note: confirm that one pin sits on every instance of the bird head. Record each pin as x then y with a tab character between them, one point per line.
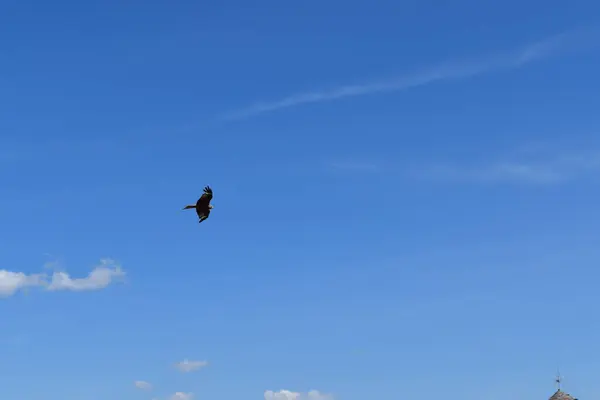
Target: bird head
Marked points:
210	206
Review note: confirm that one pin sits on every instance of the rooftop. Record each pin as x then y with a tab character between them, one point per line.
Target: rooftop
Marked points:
560	395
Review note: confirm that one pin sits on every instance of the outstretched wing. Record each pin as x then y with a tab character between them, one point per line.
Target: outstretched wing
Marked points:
204	200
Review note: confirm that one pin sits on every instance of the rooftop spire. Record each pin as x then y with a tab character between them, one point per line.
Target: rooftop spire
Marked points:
559	394
558	380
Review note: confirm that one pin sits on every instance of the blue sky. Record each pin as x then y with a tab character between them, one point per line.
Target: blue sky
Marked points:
405	199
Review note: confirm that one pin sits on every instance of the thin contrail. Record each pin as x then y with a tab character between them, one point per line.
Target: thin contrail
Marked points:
551	46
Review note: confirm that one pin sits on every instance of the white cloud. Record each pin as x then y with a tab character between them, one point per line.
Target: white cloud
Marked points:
548	47
143	385
189	366
281	395
100	277
181	396
12	282
288	395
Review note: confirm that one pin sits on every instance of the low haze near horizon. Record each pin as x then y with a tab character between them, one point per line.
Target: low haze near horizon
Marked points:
404	200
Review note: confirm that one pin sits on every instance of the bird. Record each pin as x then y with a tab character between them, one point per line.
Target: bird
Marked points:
203	205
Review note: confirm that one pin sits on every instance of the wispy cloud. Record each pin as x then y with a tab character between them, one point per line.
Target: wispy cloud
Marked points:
551	46
289	395
355	166
549	170
181	396
507	172
189	366
143	385
535	165
100	277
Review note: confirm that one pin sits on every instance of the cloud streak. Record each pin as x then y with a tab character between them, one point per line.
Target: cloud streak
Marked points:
530	167
289	395
143	385
551	170
355	166
181	396
551	46
189	366
100	277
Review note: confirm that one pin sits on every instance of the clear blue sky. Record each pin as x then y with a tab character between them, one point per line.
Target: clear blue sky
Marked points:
406	198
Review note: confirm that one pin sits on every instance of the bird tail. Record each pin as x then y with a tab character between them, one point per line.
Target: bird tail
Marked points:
190	206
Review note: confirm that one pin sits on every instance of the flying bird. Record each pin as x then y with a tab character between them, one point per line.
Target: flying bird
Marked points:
203	205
